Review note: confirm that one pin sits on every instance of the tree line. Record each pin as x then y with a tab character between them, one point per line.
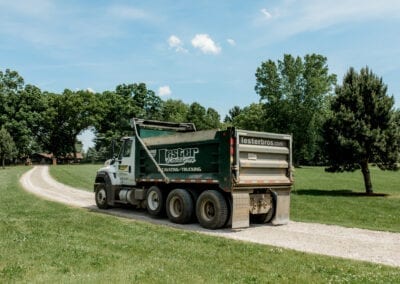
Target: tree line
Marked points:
34	121
342	126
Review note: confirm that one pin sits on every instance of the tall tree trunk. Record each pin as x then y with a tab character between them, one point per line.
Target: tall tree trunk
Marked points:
367	177
3	163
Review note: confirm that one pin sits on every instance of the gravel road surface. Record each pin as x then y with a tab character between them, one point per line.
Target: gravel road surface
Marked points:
351	243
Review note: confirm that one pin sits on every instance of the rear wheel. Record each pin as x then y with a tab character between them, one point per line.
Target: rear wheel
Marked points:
155	201
180	208
212	209
267	217
101	196
263	218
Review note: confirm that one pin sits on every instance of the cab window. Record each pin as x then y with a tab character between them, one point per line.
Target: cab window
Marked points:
126	149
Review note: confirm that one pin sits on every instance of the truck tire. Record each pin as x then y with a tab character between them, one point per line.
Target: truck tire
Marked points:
267	217
155	202
212	209
180	207
263	218
101	196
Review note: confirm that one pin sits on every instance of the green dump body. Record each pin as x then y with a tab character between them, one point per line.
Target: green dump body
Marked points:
230	159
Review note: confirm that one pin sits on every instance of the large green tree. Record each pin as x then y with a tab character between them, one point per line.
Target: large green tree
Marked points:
174	111
20	111
249	118
143	101
119	107
233	112
203	118
293	92
362	128
53	131
7	146
82	111
65	117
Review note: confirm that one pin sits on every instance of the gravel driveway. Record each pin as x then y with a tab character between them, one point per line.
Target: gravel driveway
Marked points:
352	243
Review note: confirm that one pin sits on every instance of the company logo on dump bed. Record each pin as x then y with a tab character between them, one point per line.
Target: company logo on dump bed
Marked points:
177	157
258	141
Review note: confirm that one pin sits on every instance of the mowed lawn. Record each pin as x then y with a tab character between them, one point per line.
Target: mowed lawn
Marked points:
317	196
43	241
336	198
78	176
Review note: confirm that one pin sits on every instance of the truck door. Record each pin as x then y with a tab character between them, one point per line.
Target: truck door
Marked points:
126	162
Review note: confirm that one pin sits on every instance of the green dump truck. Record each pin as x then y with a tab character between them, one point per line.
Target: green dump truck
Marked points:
220	178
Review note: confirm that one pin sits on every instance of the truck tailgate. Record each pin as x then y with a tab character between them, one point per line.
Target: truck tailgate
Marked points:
263	159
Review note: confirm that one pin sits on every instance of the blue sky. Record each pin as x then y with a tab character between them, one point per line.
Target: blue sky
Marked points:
205	51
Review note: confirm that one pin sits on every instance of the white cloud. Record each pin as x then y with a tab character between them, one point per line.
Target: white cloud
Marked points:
164	91
175	43
90	90
266	14
205	44
231	41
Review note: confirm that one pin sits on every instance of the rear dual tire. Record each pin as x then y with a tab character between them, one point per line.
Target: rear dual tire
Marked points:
180	206
212	210
267	217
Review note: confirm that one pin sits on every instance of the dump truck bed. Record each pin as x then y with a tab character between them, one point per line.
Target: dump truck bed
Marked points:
232	159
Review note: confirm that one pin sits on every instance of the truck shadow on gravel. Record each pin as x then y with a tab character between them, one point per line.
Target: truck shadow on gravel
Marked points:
336	193
141	215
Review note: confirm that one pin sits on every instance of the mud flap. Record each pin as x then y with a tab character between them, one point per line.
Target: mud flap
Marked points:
240	209
282	206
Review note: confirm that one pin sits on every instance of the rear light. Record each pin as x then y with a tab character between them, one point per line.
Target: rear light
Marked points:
232	148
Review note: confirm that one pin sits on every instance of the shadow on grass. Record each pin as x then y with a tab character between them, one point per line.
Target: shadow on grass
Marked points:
339	192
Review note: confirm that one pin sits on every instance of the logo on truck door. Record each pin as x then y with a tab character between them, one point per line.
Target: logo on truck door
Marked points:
177	157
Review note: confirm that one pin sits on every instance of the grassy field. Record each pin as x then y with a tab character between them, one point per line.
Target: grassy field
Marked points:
317	196
47	242
334	198
79	176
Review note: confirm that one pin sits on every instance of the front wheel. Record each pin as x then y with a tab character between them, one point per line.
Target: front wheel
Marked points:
155	201
212	209
101	196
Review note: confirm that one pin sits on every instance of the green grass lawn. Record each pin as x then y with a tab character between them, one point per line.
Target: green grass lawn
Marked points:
332	198
79	176
43	241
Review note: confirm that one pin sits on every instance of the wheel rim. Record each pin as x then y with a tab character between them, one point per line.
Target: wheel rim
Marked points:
208	210
175	207
153	201
101	196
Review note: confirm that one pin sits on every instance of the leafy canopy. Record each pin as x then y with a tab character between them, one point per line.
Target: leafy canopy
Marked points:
294	92
363	127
